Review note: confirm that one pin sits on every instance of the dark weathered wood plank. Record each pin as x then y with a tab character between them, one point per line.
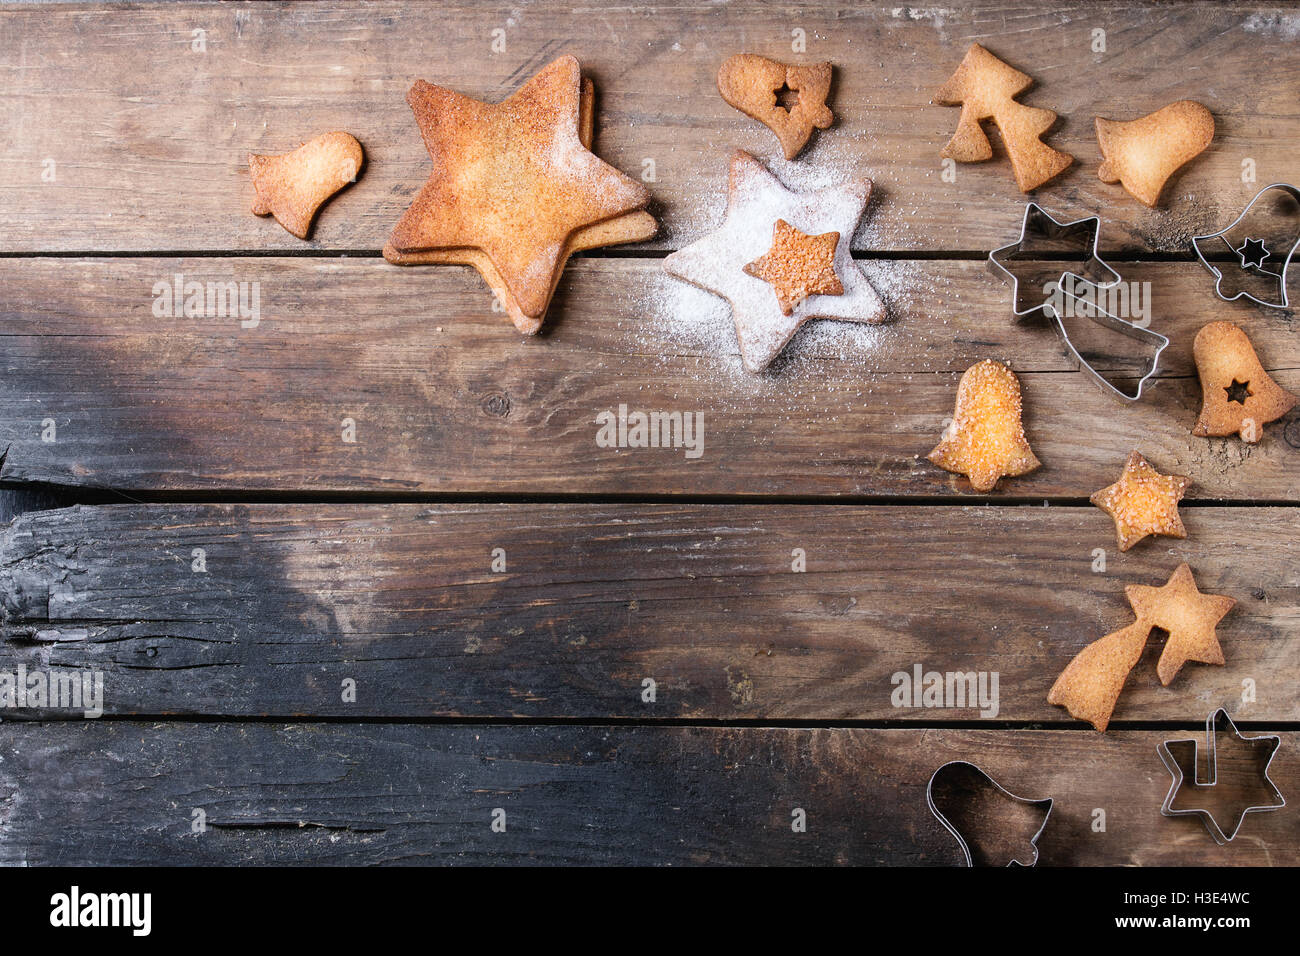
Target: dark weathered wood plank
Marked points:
596	599
149	138
446	397
126	793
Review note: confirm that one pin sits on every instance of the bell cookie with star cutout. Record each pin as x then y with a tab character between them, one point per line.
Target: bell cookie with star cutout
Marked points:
1238	396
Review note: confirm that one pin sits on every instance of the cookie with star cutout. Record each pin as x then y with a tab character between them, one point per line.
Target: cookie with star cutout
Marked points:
515	184
751	84
779	277
1238	396
1143	502
986	440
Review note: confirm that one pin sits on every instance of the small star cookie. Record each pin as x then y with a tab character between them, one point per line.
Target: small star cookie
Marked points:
1188	615
798	265
1143	502
986	440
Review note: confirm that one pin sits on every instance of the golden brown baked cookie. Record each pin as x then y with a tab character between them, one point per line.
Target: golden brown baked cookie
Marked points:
1091	683
293	186
986	440
751	83
1238	396
985	88
515	188
798	265
1143	153
1188	615
1143	502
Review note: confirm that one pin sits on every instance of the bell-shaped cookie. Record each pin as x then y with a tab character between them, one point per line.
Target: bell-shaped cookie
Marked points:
293	186
1238	396
1142	154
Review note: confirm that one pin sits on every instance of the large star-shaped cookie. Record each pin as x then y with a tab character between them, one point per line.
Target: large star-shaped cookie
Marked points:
1143	502
1188	615
512	180
756	200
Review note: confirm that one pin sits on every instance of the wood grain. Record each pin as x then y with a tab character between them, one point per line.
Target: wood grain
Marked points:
446	397
126	792
149	137
596	599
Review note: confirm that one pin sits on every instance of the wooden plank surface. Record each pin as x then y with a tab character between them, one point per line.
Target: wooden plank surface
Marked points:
594	600
149	137
446	397
127	792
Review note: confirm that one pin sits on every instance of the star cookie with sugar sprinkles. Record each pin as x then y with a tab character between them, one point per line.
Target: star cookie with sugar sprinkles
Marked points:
515	189
1188	615
776	278
1143	502
798	265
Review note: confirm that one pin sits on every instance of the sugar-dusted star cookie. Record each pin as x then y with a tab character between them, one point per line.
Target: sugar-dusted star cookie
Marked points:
1238	396
1143	502
293	186
1188	615
1091	683
986	440
798	265
515	182
756	201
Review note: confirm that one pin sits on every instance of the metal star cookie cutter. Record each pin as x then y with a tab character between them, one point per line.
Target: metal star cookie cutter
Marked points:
1039	224
1250	265
1045	803
1187	750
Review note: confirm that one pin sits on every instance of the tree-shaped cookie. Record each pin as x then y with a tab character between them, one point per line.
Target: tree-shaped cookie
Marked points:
986	440
985	88
1238	396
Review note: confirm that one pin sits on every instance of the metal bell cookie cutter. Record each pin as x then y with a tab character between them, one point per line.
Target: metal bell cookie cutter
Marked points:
1179	757
1045	804
1039	224
1252	253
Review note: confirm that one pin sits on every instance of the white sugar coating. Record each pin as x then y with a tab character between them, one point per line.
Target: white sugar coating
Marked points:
682	327
756	201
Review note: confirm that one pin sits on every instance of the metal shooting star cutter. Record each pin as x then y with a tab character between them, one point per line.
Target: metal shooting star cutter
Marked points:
965	766
1253	253
1179	757
1039	225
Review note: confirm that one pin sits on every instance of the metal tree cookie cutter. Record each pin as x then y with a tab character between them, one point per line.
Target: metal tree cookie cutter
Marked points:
1045	804
1180	758
1040	225
1253	253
